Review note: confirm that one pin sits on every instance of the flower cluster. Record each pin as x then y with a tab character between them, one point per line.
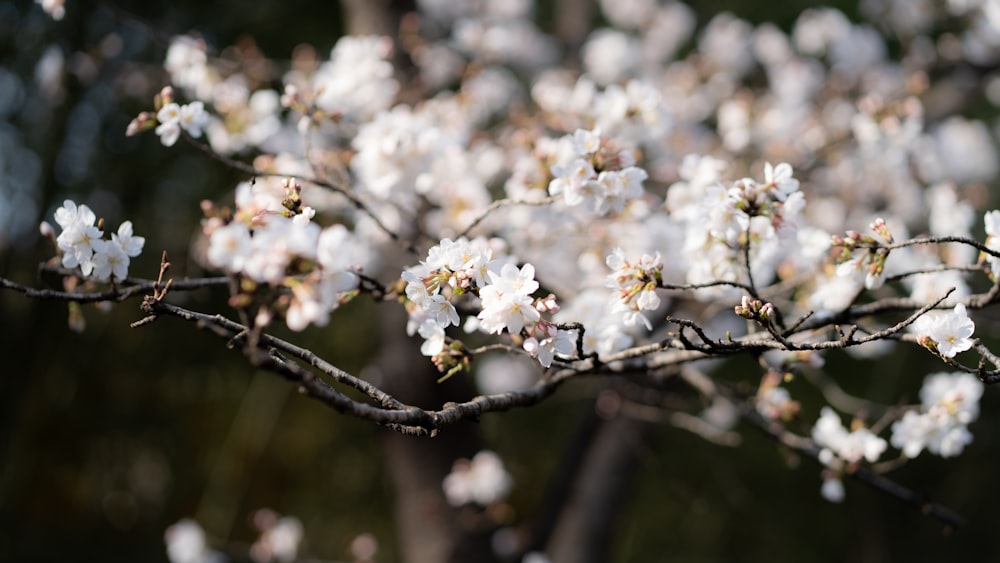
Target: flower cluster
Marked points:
280	537
462	268
636	284
54	8
452	269
992	224
601	314
186	543
597	176
280	540
850	446
426	165
858	254
949	402
275	241
358	79
190	68
773	401
83	245
481	480
840	446
172	117
945	334
720	222
754	309
777	201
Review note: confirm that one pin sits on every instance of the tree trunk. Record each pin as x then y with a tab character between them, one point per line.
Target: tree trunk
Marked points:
429	530
585	530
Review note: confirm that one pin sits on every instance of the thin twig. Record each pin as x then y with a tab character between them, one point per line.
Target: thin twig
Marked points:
861	473
497	205
337	188
133	288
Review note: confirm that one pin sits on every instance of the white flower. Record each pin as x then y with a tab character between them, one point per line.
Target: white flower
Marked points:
79	243
70	214
635	285
482	480
310	304
911	433
358	79
569	180
507	300
780	177
229	247
586	142
959	393
575	178
560	342
991	220
169	128
928	287
131	244
54	8
992	223
186	543
505	310
433	335
512	280
610	55
441	310
80	238
278	542
174	117
772	402
949	403
852	446
648	300
82	244
951	332
193	118
832	489
109	260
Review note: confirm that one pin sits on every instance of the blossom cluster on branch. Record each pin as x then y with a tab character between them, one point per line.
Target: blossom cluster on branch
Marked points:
650	213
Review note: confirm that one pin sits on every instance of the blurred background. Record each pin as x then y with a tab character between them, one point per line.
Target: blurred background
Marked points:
109	436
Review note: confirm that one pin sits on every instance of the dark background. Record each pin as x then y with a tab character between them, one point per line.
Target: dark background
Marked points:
109	436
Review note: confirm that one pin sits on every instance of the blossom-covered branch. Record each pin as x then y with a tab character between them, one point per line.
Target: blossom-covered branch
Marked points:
766	194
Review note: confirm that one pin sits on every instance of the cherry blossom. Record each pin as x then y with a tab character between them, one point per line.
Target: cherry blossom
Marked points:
949	403
649	196
850	446
186	543
83	245
482	480
946	333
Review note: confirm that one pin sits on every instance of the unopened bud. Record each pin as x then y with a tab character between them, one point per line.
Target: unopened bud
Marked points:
142	122
166	96
881	229
47	230
766	311
928	342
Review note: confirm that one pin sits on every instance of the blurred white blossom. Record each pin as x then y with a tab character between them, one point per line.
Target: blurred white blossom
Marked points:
949	403
481	480
186	543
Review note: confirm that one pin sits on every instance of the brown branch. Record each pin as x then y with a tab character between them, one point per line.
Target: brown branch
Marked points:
497	205
391	412
133	287
862	473
937	240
